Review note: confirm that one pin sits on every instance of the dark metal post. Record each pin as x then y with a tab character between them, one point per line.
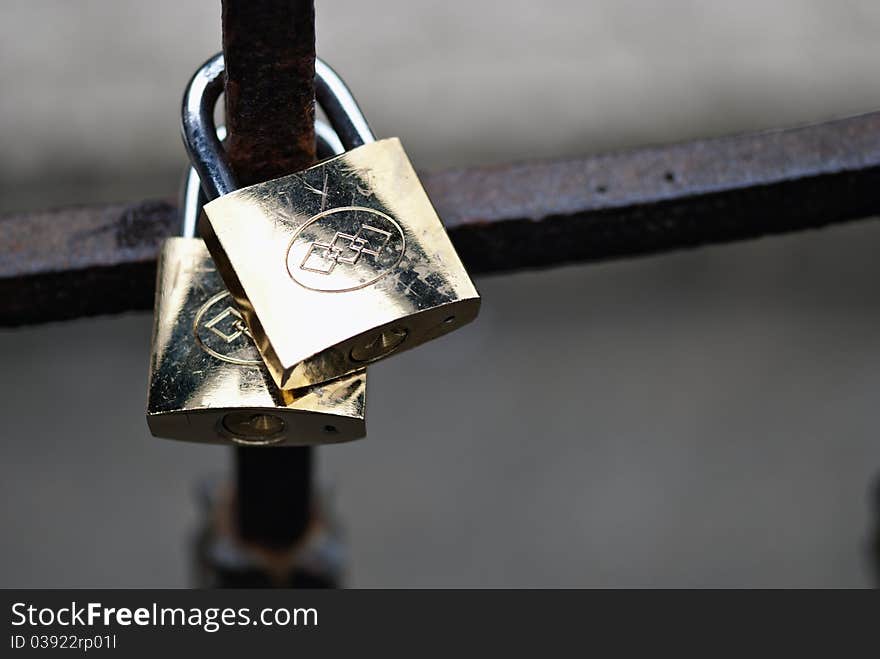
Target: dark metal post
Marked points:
274	494
269	48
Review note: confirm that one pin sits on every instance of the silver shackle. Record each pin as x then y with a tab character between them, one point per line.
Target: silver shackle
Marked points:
200	135
192	197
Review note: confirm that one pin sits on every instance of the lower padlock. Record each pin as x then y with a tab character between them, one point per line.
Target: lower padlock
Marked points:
207	381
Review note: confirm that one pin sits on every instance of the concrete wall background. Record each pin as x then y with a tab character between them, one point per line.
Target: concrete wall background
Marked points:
704	418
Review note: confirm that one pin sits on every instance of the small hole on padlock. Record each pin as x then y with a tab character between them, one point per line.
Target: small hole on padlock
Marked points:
331	430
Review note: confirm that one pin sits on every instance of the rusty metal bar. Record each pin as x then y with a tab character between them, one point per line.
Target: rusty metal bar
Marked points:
77	262
269	49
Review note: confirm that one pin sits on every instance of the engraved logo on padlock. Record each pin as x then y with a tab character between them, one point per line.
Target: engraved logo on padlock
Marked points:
339	265
219	329
344	249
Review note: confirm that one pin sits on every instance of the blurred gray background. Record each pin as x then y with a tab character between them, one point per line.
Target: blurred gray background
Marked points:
699	419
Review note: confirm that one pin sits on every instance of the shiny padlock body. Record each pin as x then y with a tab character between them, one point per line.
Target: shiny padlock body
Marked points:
339	265
207	381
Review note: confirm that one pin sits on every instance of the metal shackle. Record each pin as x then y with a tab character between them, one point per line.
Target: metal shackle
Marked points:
192	196
205	148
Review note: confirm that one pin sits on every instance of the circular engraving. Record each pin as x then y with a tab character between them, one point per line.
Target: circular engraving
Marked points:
344	249
222	333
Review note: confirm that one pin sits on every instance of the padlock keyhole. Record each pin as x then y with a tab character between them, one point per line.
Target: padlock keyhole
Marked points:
251	428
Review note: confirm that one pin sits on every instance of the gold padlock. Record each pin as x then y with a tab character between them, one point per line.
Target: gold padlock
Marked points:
207	381
336	266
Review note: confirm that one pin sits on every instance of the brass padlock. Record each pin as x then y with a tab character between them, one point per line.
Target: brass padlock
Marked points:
207	381
336	266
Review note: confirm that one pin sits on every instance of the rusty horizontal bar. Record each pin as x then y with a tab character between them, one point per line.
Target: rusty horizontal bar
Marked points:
94	260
